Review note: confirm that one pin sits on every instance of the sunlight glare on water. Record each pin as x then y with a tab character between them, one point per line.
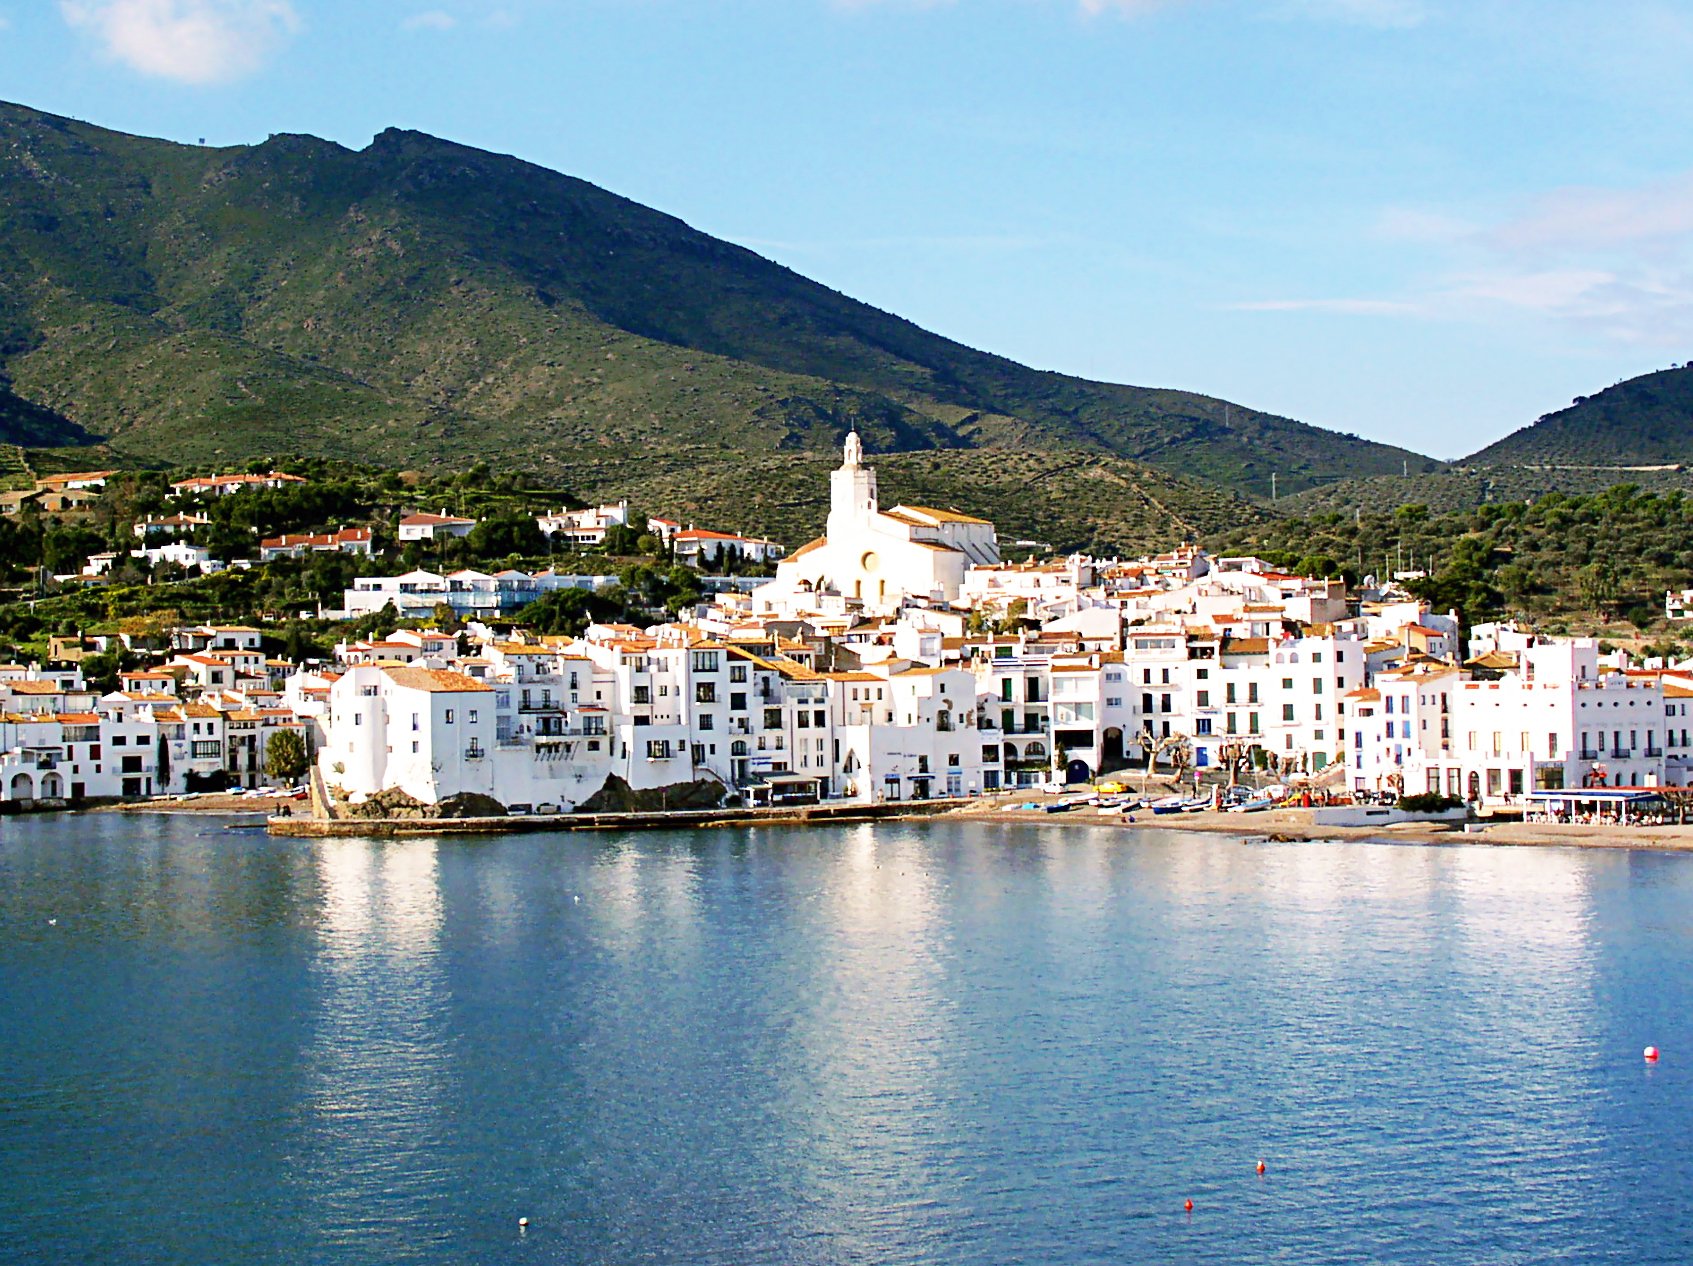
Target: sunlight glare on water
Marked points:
895	1044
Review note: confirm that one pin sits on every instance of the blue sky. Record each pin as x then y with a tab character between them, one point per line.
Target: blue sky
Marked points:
1422	221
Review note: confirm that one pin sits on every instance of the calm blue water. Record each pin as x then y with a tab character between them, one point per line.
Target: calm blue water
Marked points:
943	1044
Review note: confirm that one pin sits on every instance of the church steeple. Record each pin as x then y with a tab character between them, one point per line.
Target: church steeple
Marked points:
852	491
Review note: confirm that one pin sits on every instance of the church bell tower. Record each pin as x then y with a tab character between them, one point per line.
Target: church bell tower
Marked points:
852	492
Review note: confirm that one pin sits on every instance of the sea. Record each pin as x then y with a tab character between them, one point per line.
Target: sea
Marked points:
901	1043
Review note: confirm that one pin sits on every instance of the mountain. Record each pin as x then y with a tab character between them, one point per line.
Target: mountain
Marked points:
29	425
420	302
1644	421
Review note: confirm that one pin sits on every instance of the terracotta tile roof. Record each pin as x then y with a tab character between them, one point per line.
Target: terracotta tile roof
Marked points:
436	681
943	516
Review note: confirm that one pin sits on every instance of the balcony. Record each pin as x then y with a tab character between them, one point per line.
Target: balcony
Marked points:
475	752
1653	753
1621	753
1587	754
545	705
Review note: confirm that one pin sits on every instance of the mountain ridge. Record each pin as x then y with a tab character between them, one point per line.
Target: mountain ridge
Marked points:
424	302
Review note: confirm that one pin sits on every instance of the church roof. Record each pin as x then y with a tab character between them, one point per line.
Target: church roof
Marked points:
805	549
943	516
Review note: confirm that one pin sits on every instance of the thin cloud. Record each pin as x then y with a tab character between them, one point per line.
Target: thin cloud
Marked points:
433	20
190	41
1586	218
1615	263
1346	307
1387	15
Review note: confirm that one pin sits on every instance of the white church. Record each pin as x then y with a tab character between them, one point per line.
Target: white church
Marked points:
873	559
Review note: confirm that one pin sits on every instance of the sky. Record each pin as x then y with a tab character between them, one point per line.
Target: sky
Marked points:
1426	222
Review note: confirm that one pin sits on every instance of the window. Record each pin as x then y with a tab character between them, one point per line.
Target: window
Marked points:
1228	693
738	701
1203	699
707	722
773	718
472	716
414	747
705	692
1287	683
658	749
737	672
1287	712
706	661
643	694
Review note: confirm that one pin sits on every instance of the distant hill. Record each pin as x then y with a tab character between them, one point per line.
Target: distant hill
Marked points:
421	303
1644	421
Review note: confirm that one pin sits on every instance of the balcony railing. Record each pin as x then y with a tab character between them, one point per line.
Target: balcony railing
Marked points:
1588	754
1654	751
475	752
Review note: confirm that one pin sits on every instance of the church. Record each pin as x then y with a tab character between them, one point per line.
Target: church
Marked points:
875	559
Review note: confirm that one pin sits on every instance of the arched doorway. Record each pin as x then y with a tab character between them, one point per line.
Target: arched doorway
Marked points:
1475	787
1077	771
52	787
1111	751
23	787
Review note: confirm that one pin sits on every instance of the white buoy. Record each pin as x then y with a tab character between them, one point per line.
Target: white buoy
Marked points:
523	1224
1651	1054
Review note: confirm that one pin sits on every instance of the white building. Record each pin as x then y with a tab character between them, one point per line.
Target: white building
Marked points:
584	527
433	527
878	559
697	547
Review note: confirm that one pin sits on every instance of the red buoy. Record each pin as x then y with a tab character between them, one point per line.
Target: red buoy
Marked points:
1260	1167
1651	1054
1188	1206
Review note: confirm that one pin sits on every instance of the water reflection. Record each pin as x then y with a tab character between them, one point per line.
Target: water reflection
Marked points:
377	1062
864	1077
912	1045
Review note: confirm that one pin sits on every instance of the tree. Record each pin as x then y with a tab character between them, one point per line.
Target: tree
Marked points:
285	756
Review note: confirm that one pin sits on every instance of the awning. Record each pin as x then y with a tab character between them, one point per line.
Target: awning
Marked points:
1600	795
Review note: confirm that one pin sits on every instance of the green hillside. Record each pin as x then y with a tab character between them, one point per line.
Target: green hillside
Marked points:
1644	421
423	303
